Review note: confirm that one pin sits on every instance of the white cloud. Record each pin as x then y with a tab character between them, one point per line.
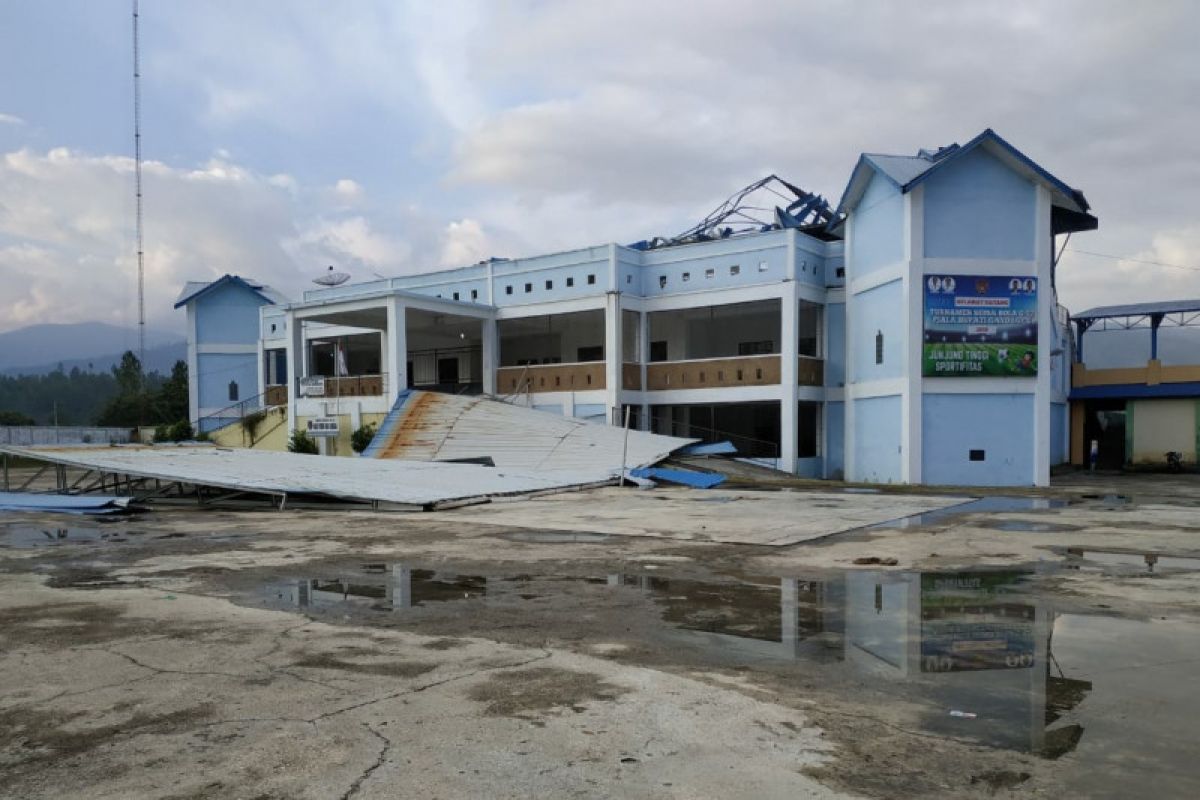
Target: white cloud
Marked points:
464	242
67	245
11	119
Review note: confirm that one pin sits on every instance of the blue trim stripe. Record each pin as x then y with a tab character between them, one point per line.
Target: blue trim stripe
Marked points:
1136	390
384	434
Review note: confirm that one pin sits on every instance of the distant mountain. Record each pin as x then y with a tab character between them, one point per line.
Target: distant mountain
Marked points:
38	349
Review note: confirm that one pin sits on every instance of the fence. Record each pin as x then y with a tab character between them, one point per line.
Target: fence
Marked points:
29	435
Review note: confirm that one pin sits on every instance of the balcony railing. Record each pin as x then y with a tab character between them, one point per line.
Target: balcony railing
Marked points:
344	386
579	377
711	373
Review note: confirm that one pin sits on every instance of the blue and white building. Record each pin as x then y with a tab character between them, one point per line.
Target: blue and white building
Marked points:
223	355
912	336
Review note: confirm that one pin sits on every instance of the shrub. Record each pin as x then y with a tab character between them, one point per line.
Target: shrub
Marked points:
301	442
182	431
250	424
361	437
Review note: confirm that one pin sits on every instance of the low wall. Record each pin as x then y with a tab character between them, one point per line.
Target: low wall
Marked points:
30	435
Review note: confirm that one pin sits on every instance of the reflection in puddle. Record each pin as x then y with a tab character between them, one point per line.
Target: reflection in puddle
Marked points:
554	537
1143	562
984	505
974	643
23	536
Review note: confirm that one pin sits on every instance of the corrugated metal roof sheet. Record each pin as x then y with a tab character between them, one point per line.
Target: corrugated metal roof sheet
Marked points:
901	169
408	483
1140	309
443	427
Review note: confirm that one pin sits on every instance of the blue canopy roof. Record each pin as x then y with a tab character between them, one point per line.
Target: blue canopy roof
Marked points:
1140	309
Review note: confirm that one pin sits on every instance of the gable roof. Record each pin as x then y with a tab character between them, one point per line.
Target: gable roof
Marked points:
194	290
908	172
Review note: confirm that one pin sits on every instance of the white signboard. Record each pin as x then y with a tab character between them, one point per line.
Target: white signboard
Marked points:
323	426
312	386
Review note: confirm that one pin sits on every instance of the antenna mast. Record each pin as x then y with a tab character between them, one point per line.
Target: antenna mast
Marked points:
137	172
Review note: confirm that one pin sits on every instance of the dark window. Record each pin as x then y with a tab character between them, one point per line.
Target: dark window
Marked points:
447	369
233	391
977	455
658	351
662	281
841	272
762	348
592	353
456	295
735	269
570	282
508	290
549	285
474	294
591	279
808	440
878	347
528	288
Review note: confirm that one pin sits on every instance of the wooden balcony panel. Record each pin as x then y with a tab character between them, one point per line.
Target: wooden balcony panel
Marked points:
275	395
810	372
584	377
631	377
712	373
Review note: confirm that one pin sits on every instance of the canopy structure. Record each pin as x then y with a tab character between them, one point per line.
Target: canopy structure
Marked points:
1173	313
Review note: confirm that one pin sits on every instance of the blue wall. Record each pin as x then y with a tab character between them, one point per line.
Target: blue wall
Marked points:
835	440
879	309
877	236
216	370
1058	426
999	424
228	315
835	344
877	439
734	262
976	207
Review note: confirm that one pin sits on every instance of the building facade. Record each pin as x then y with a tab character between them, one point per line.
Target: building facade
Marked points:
914	336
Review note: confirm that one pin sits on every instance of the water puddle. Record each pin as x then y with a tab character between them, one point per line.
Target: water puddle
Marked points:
20	536
555	537
981	654
1080	557
986	505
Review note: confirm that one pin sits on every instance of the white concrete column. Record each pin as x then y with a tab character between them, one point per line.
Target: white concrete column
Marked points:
193	365
914	294
1043	244
491	355
295	363
397	351
849	468
789	392
643	360
612	353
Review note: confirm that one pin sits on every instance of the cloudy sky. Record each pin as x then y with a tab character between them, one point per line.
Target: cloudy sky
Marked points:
389	137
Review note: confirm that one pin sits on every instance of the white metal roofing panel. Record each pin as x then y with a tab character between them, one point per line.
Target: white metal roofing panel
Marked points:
414	483
443	427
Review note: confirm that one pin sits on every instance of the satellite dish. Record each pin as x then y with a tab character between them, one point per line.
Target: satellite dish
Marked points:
331	277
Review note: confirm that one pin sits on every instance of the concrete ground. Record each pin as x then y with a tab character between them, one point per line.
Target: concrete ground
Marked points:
531	649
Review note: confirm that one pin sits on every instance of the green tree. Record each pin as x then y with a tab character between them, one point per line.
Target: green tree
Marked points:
301	442
173	397
16	418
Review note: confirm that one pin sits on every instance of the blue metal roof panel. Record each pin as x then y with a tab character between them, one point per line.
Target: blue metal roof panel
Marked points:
1139	309
193	290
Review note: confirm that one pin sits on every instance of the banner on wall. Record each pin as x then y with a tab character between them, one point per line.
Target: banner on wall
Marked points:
980	326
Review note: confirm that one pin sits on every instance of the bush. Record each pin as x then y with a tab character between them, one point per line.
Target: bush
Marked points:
179	432
361	438
301	442
250	424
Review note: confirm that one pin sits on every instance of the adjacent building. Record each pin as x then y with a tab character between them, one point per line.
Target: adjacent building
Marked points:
912	334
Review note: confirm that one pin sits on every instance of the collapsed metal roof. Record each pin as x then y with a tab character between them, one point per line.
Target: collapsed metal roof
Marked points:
391	483
769	204
430	426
